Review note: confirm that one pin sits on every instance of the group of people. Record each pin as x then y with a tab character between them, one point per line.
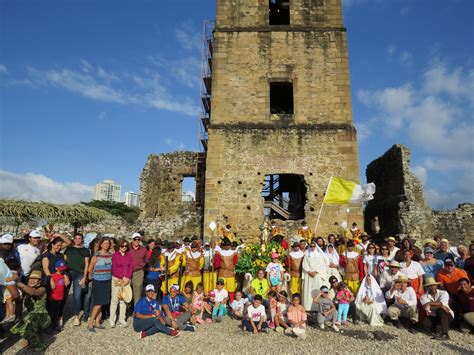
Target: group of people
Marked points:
170	287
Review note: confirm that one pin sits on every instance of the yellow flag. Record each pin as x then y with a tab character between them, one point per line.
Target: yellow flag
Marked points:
342	191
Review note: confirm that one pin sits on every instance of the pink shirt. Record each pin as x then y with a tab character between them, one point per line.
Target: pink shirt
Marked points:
122	265
296	314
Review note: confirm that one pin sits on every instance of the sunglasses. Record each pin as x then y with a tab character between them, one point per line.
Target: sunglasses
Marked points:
124	246
428	252
371	248
313	246
136	238
384	249
261	286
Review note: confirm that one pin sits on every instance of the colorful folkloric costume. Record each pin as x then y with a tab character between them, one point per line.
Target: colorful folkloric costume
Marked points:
225	261
352	271
193	262
295	261
174	260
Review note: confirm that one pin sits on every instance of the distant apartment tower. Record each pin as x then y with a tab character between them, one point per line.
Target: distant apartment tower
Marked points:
132	199
107	190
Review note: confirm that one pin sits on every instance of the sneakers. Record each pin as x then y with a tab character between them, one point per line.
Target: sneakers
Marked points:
279	330
122	323
142	334
77	321
288	331
322	326
190	328
92	330
336	329
174	333
112	324
442	336
271	325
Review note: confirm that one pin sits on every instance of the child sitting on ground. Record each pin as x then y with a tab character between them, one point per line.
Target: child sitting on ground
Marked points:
272	305
326	309
281	317
208	307
297	318
220	307
198	302
255	320
275	272
238	305
344	297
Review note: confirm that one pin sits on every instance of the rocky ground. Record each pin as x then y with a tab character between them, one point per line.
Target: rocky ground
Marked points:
227	337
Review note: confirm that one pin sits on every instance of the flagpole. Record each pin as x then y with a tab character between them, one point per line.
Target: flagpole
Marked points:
321	209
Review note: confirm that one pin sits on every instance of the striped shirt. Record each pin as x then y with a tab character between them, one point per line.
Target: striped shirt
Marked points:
103	267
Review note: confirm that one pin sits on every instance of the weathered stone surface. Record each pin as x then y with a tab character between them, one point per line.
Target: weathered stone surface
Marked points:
164	214
247	142
401	208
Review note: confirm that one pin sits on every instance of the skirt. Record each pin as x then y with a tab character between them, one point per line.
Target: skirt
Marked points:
101	291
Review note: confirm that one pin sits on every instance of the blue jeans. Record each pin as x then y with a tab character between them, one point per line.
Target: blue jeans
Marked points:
342	310
150	326
79	294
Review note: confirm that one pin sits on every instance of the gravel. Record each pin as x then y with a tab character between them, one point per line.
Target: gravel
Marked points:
227	337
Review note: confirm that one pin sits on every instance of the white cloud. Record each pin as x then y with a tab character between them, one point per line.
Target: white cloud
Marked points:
403	56
37	187
421	173
3	69
101	85
188	36
102	116
175	144
391	49
435	117
185	70
406	58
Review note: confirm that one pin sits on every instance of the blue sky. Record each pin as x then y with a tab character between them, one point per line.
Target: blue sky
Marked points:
90	88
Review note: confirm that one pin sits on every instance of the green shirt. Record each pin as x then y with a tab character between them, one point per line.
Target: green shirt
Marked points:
260	287
76	258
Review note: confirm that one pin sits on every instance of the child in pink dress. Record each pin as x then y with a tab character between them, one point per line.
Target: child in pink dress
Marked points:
297	318
198	302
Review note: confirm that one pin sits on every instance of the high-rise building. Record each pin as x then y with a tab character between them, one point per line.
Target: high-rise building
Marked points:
107	190
132	199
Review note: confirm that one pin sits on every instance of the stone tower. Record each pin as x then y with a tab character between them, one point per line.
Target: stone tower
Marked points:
281	120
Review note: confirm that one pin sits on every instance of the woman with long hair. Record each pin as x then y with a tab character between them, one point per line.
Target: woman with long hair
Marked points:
100	272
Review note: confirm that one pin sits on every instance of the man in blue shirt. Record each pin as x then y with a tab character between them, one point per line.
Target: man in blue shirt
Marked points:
147	318
176	310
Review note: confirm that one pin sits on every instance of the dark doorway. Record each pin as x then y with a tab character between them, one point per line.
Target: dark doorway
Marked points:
281	98
279	12
285	196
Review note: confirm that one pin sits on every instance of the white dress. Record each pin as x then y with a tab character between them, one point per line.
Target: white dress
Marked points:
313	261
371	313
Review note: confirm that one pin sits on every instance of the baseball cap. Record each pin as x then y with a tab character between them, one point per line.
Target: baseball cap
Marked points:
136	235
448	261
212	294
174	287
60	265
6	239
34	234
324	289
428	250
149	288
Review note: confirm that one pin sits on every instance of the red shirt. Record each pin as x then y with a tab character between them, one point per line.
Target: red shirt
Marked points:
139	257
58	293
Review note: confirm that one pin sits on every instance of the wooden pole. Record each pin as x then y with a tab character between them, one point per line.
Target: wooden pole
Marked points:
321	209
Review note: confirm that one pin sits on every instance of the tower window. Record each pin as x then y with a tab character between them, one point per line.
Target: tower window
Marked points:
281	98
279	12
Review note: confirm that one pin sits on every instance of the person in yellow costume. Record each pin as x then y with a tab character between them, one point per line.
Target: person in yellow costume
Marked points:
193	262
295	259
227	232
351	268
174	261
225	260
305	232
209	274
275	230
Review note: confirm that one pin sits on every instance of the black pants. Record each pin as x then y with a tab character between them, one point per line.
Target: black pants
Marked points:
441	317
55	310
248	326
150	326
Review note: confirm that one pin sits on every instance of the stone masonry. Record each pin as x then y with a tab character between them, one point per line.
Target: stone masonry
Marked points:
164	214
247	142
401	208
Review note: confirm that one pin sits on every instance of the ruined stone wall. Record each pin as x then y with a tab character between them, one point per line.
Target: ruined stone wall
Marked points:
243	14
163	211
400	205
239	160
247	142
457	224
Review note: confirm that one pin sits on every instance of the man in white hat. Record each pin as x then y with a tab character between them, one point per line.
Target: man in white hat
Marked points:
30	251
392	249
389	276
436	305
404	304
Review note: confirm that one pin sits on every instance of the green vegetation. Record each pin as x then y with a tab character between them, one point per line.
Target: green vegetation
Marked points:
129	214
